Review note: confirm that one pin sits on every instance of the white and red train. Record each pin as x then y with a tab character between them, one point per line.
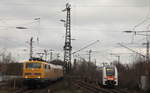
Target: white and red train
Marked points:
108	76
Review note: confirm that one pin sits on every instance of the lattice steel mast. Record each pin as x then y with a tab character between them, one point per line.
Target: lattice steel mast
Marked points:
67	46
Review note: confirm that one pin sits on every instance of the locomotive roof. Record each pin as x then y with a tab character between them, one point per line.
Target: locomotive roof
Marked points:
110	66
44	62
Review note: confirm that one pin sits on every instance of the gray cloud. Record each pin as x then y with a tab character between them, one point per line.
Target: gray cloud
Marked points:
92	20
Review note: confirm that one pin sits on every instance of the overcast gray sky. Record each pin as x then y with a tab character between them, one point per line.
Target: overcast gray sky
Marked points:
92	20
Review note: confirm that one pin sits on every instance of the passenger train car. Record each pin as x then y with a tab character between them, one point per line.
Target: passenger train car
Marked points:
39	72
108	76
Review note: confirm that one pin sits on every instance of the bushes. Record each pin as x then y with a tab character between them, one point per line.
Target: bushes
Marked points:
14	69
129	74
15	83
11	68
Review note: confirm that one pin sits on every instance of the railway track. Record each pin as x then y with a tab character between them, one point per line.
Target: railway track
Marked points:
117	91
41	90
89	88
32	91
23	90
46	89
86	88
3	84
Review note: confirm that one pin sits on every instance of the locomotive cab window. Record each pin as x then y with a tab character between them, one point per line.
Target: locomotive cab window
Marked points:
33	65
110	71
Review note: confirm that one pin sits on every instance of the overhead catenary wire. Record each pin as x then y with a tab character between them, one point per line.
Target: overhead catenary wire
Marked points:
146	18
131	50
85	47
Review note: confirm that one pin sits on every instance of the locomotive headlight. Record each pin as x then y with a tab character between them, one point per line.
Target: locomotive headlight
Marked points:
38	77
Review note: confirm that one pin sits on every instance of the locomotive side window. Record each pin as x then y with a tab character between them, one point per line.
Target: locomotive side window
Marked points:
110	71
33	65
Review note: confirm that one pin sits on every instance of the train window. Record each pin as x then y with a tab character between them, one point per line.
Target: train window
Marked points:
45	66
110	71
49	67
33	65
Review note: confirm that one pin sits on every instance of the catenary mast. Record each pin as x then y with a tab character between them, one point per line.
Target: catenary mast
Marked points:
67	46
